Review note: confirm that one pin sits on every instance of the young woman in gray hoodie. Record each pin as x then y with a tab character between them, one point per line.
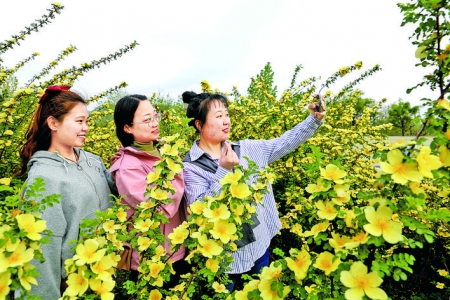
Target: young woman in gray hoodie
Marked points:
52	151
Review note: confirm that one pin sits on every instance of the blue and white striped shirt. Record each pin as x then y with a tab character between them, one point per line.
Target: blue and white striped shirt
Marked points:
200	183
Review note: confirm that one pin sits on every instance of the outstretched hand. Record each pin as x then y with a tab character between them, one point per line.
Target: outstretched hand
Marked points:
228	158
319	115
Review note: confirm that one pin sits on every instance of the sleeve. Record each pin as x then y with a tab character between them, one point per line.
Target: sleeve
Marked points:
198	185
132	182
290	140
51	271
110	180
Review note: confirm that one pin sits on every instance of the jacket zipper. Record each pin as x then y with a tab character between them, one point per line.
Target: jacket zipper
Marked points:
90	181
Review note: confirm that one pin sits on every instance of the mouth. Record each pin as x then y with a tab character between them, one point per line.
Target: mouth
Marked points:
82	136
155	131
226	130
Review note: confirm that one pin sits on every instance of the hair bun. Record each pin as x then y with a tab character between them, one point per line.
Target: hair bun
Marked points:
188	97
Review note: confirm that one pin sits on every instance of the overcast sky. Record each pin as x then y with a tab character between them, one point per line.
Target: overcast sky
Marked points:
224	42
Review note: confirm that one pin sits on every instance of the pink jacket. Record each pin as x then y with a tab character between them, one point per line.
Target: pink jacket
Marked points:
130	172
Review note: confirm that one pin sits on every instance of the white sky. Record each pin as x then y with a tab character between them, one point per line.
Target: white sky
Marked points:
224	42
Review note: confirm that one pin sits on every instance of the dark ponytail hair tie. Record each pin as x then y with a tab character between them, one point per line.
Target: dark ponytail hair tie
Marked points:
53	90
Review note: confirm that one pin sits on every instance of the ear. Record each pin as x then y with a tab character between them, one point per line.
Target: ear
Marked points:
127	128
198	124
52	123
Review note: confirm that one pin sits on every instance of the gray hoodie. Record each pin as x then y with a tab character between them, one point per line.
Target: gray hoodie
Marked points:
85	187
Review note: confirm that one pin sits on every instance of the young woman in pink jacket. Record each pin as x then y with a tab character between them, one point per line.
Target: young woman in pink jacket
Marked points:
137	129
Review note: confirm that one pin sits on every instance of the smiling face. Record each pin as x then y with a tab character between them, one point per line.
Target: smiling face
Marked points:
217	124
71	131
142	129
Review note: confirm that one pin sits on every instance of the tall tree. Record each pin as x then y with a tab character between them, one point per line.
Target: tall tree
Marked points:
401	115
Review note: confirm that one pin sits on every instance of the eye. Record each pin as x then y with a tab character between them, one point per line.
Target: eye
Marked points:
148	120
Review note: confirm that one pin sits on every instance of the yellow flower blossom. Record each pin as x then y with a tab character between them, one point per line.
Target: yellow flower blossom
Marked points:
381	201
154	175
33	228
173	166
326	210
219	287
28	280
5	180
401	172
212	264
416	189
5	282
321	186
299	264
440	285
223	230
110	227
87	253
231	177
380	223
155	295
18	257
158	194
327	262
361	238
143	243
349	218
267	293
361	283
427	162
442	272
343	194
332	172
156	268
159	251
444	156
122	215
143	225
209	248
316	229
178	235
8	132
240	190
103	288
169	150
77	283
197	207
169	139
341	243
444	103
216	213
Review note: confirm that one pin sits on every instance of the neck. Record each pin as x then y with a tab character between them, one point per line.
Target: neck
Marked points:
213	149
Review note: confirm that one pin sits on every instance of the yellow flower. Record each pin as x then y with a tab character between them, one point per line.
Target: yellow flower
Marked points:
197	207
5	282
8	132
87	253
219	288
360	238
341	243
444	156
361	283
240	190
231	177
77	283
174	167
156	268
268	294
143	243
321	186
349	217
110	227
26	281
258	186
219	212
415	188
169	139
158	194
300	264
380	223
159	251
169	150
103	288
316	229
327	262
212	264
143	225
427	162
155	295
332	172
343	194
223	230
18	257
440	285
442	272
31	226
326	210
209	248
444	103
153	175
5	180
178	235
401	172
122	215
